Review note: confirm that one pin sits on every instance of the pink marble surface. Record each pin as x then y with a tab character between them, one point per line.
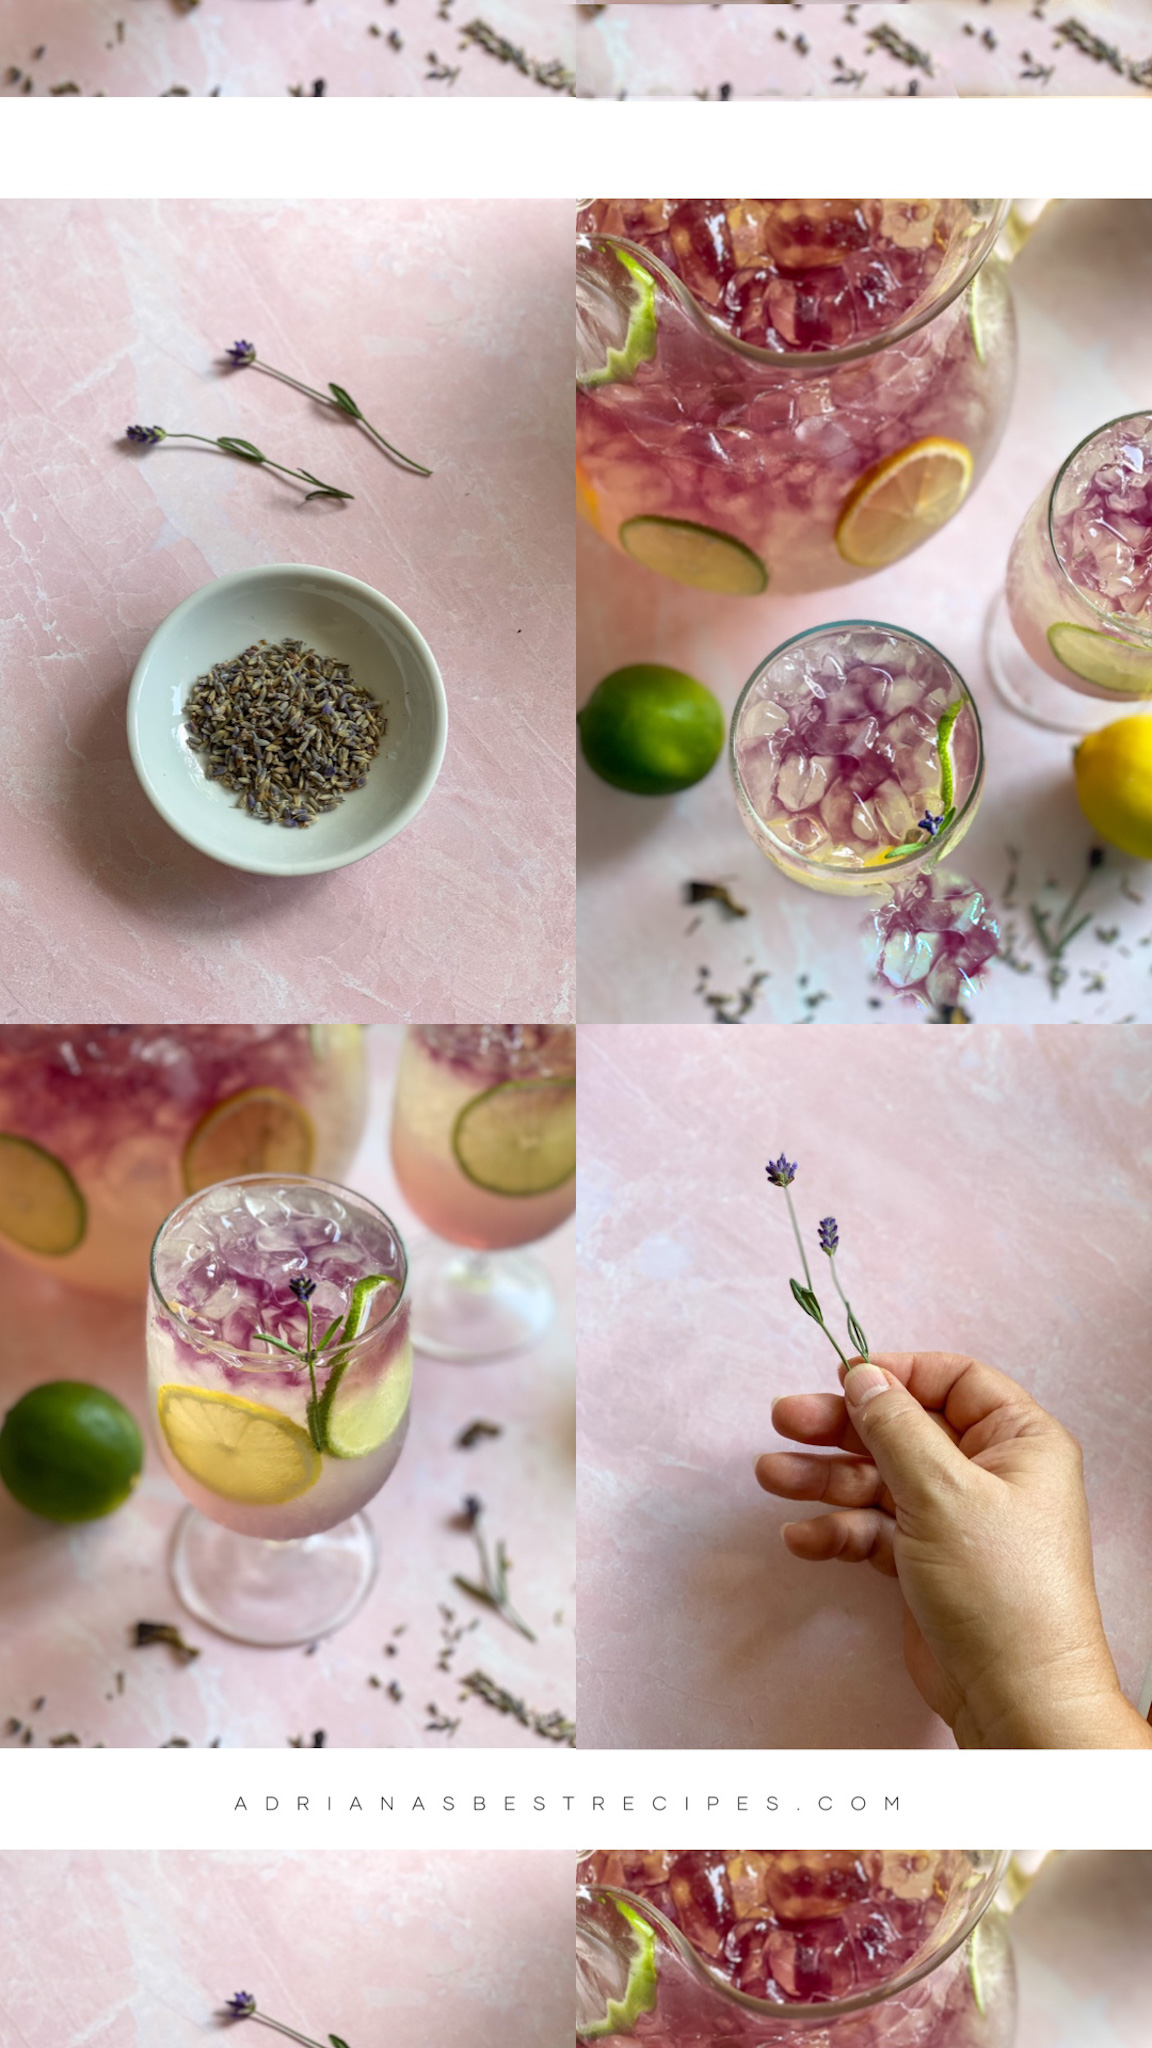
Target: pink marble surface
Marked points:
1083	290
271	47
991	1191
69	1596
440	317
1083	1941
826	49
395	1950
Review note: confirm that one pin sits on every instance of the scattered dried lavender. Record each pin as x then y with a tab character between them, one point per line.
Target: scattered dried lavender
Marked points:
494	1569
286	728
146	1632
553	1727
714	892
470	1437
554	75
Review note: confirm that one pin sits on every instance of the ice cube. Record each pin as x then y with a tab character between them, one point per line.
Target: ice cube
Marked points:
907	958
848	817
908	725
801	781
805	832
814	1964
812	234
762	719
814	1884
909	1874
876	684
894	811
918	771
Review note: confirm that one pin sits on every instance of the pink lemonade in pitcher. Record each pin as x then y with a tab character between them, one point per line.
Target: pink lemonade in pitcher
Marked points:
786	393
889	1946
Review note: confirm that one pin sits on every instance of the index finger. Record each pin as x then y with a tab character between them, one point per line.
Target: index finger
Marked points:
818	1419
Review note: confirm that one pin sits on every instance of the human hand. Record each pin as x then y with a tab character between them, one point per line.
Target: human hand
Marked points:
955	1481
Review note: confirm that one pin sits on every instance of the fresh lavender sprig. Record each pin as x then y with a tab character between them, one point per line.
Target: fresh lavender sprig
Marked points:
781	1173
242	355
147	437
829	1237
242	2006
347	1328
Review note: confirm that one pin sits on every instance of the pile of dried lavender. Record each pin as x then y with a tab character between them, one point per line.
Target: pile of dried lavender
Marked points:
286	728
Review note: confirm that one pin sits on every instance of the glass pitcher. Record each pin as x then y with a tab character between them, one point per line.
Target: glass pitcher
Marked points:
901	1967
786	395
104	1128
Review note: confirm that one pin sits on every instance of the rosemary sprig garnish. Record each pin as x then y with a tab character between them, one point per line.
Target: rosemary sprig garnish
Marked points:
494	1569
242	355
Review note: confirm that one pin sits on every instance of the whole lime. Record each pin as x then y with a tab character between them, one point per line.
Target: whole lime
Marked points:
651	730
69	1451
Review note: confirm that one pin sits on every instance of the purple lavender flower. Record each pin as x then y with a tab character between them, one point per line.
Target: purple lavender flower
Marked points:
301	1288
241	2005
147	436
780	1173
930	823
240	353
828	1235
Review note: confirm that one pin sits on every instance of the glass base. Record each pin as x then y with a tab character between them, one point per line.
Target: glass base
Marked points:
272	1594
470	1305
1031	693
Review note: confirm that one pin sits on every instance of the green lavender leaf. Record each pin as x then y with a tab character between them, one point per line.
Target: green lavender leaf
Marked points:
345	401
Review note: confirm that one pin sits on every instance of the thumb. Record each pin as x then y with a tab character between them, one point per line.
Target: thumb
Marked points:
917	1461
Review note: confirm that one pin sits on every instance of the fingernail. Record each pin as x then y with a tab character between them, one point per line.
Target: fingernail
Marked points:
863	1383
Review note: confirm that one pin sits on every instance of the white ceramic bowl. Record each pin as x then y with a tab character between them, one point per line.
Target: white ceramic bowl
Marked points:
338	616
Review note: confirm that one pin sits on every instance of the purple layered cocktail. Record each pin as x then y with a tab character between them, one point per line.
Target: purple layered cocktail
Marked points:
279	1373
786	393
770	1948
1078	603
484	1147
105	1127
856	755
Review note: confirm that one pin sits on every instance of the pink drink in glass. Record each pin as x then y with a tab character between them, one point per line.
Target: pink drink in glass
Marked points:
222	1268
443	1068
857	757
778	1947
104	1128
1079	587
803	350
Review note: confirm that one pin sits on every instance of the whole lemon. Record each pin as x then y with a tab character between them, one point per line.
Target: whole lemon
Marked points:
1113	769
70	1451
651	730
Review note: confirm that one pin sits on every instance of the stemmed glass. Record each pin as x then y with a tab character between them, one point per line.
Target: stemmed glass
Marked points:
1069	638
484	1147
279	1372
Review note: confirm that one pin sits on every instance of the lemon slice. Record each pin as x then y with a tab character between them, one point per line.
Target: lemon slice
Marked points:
621	364
985	1963
902	500
361	1406
621	2014
586	498
239	1449
258	1130
41	1206
518	1138
699	555
1099	658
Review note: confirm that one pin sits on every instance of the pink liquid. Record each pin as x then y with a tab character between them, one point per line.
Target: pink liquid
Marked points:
836	756
754	447
117	1104
809	1927
1084	554
222	1270
442	1069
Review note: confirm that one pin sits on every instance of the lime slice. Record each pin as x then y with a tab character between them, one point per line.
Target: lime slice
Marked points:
981	294
518	1138
1099	658
621	364
698	555
258	1130
41	1206
985	1963
621	2014
238	1449
901	501
361	1406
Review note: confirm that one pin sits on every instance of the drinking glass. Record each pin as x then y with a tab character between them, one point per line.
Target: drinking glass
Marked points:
786	394
278	1457
105	1127
484	1147
857	757
844	1949
1070	637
